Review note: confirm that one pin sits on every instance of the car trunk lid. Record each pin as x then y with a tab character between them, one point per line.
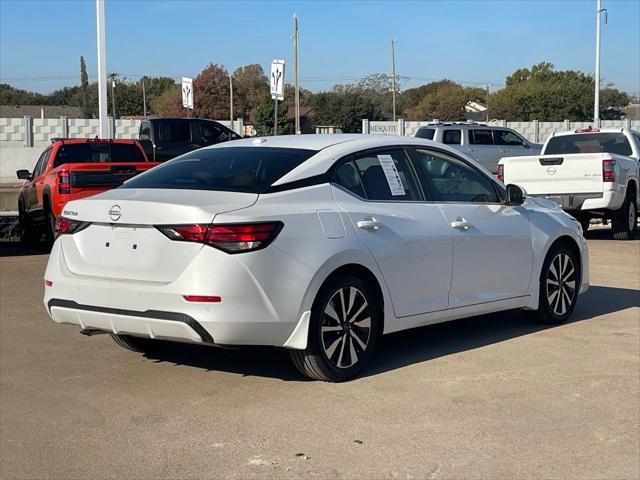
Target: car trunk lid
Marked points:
122	241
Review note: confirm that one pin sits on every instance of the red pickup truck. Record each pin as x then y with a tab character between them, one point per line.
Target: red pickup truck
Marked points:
70	169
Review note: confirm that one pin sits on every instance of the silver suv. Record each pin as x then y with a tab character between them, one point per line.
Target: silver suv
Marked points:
487	144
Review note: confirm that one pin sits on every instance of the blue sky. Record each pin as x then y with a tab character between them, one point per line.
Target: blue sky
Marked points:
470	41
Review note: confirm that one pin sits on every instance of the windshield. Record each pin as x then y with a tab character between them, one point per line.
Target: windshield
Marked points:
589	143
98	153
232	169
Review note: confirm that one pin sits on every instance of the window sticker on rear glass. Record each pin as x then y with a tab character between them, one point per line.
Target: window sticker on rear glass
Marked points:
391	172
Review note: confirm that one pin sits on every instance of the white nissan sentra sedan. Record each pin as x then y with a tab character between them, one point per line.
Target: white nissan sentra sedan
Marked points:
315	243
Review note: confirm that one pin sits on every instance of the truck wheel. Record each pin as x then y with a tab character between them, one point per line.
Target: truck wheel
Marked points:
50	225
342	331
139	344
28	236
623	222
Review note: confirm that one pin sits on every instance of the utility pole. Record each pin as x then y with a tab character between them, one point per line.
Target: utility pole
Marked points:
295	73
144	100
102	70
596	103
393	79
231	100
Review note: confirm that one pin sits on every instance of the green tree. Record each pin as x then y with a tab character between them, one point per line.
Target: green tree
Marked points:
344	109
84	85
265	113
250	88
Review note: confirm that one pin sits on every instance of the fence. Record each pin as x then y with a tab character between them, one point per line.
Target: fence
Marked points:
534	131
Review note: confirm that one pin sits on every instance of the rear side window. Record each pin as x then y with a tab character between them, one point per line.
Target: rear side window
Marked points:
507	137
589	143
98	153
425	133
386	175
452	137
231	169
480	137
347	176
453	180
174	131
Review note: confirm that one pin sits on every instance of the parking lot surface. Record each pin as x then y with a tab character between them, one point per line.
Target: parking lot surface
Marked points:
489	397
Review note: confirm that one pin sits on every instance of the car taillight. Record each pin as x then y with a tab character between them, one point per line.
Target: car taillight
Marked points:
230	238
67	226
608	172
64	183
501	172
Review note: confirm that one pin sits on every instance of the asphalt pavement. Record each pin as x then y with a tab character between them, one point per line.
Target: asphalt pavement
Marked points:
494	397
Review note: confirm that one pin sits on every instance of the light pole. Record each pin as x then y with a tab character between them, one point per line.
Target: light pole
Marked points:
596	103
102	70
231	100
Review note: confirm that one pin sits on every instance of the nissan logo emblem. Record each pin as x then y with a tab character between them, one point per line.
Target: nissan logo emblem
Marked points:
115	212
551	171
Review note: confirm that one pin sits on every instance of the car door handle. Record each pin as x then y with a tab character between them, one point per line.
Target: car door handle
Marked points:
369	223
460	224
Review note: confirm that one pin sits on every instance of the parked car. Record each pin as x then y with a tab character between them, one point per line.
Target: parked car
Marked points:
315	243
486	144
591	173
70	169
166	138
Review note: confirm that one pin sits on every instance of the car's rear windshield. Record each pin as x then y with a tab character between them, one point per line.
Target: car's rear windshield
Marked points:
425	133
98	153
232	169
589	143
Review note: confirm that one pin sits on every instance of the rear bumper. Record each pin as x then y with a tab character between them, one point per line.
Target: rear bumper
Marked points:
607	200
150	323
249	314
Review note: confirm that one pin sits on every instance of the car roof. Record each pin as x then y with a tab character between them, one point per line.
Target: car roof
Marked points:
71	141
331	147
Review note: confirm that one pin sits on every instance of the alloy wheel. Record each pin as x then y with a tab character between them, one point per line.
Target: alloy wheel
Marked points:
632	216
561	283
346	327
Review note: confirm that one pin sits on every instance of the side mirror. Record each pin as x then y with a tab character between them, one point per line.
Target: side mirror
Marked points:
526	144
23	174
515	195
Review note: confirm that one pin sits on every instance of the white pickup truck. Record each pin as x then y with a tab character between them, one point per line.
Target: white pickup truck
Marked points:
590	173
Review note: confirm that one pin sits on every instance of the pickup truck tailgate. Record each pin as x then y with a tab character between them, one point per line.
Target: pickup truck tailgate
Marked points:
556	174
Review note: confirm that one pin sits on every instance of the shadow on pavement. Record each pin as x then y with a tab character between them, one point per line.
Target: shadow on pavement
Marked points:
404	348
16	249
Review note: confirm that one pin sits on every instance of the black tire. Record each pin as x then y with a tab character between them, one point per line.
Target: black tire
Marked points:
29	237
585	223
139	344
558	293
336	337
624	221
50	225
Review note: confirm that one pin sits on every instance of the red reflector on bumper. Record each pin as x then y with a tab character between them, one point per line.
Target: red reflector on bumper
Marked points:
48	283
202	298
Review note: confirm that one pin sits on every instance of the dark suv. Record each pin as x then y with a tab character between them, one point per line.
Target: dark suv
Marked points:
166	138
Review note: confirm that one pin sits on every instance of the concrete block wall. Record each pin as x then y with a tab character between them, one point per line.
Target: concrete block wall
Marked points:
534	131
12	130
